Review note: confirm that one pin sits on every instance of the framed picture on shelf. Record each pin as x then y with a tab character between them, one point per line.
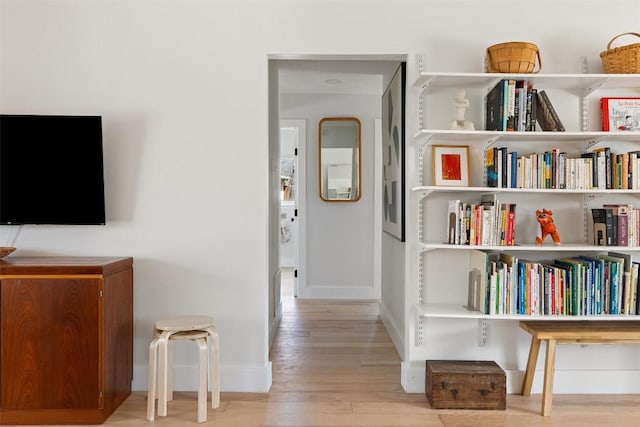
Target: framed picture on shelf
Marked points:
620	114
451	165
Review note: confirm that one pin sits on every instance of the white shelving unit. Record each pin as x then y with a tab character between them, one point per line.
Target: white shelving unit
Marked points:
577	85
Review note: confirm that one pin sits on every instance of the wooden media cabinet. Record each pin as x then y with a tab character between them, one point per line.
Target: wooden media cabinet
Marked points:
66	338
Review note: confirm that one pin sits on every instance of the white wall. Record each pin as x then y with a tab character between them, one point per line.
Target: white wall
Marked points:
183	90
339	235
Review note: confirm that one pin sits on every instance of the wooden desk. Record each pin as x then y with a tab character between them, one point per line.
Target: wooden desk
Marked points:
570	332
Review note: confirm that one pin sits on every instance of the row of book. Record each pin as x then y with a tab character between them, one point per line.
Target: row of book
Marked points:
616	225
486	222
601	284
597	169
515	105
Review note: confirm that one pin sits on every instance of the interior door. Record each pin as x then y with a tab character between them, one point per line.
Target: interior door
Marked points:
292	141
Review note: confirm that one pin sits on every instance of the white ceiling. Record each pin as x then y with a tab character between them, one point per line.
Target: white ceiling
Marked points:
357	77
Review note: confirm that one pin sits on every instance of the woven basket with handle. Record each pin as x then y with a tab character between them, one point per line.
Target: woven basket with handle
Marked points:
513	57
623	59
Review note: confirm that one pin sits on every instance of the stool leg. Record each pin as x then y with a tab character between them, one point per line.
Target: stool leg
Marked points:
163	344
214	367
170	371
152	379
549	367
531	366
202	386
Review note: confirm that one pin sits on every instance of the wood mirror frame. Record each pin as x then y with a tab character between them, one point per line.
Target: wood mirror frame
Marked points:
339	154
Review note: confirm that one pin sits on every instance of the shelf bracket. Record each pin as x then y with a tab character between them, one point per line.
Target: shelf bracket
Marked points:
584	110
419	69
421	164
482	333
419	323
419	63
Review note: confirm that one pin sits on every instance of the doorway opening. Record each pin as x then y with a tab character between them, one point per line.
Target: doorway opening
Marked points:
309	88
339	247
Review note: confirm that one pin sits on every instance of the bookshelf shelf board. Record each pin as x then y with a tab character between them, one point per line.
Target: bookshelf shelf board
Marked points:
443	136
584	83
528	247
425	190
454	311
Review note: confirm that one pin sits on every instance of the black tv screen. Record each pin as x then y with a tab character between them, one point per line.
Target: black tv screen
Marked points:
51	170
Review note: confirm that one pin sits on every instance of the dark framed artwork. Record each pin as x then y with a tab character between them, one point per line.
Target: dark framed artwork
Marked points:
393	155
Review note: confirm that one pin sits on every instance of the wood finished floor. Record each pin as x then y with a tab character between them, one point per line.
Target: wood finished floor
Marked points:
334	365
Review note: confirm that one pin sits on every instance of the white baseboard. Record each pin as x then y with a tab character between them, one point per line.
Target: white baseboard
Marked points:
394	333
581	382
565	382
339	292
246	379
412	377
273	329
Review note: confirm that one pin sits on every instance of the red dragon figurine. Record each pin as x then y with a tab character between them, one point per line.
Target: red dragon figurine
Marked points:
545	219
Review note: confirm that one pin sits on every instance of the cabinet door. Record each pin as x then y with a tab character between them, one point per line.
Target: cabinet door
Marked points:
50	343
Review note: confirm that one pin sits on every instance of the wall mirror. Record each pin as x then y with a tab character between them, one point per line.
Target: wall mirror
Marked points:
340	173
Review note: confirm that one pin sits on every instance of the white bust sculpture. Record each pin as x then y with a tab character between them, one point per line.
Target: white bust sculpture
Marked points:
460	104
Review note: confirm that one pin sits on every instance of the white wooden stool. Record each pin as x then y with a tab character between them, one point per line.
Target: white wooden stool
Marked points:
195	328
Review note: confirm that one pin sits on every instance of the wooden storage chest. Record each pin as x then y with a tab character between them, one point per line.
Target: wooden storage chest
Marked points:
465	384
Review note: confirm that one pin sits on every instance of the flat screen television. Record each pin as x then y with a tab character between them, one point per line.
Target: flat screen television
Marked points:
51	170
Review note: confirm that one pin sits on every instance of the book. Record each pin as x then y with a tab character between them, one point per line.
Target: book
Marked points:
596	283
532	96
467	223
604	162
615	267
625	294
635	277
620	217
522	87
620	114
511	300
592	156
546	115
599	226
510	239
511	105
490	216
479	271
513	158
491	167
503	167
495	107
562	175
452	221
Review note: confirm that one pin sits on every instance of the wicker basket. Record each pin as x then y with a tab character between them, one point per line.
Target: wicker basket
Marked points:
513	57
6	250
621	60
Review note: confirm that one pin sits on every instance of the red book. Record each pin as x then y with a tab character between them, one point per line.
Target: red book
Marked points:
511	224
620	114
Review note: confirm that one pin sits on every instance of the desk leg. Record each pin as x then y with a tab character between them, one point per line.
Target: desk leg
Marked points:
531	366
549	367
